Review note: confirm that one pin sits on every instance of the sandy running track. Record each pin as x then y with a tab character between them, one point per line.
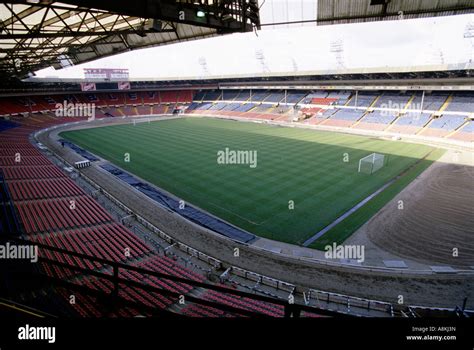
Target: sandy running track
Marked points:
437	215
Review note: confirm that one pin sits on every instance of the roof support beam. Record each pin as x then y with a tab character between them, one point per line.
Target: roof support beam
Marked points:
76	34
170	10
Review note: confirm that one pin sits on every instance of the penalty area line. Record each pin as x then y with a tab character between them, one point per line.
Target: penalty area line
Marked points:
346	214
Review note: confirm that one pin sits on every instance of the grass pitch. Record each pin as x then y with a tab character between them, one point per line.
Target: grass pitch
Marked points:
294	166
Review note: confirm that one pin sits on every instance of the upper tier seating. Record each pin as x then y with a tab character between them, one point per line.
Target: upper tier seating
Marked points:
462	103
275	97
168	96
185	96
199	96
212	95
243	95
391	100
150	97
341	97
229	95
315	94
294	96
259	95
133	97
364	99
431	102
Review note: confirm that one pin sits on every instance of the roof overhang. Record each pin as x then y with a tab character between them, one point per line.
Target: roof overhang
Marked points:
36	34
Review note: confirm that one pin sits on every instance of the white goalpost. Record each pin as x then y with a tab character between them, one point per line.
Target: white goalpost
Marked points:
371	163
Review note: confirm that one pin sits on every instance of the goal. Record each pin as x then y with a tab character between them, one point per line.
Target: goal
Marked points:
371	163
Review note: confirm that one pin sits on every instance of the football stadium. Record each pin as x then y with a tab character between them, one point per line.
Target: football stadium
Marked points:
245	159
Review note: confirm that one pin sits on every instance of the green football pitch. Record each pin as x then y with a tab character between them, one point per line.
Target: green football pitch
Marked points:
303	179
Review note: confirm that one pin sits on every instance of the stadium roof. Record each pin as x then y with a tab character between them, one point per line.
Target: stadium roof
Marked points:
39	33
35	34
284	13
356	11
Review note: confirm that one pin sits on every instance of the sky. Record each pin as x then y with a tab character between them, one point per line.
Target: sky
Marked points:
377	46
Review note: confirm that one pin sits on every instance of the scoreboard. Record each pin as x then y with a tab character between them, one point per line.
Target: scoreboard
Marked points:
106	73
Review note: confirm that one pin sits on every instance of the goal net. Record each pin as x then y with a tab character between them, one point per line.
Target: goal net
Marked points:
371	163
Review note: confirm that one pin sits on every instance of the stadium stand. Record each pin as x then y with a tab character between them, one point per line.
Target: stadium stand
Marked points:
341	97
391	100
42	209
315	94
231	106
212	95
391	112
461	103
150	97
129	110
295	97
270	105
363	99
442	126
107	104
377	120
275	97
246	107
246	303
243	96
431	102
344	117
6	124
319	116
259	95
55	212
199	96
465	133
9	223
410	123
217	106
230	95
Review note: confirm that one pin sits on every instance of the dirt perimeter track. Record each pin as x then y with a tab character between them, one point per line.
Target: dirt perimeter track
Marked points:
436	224
417	288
